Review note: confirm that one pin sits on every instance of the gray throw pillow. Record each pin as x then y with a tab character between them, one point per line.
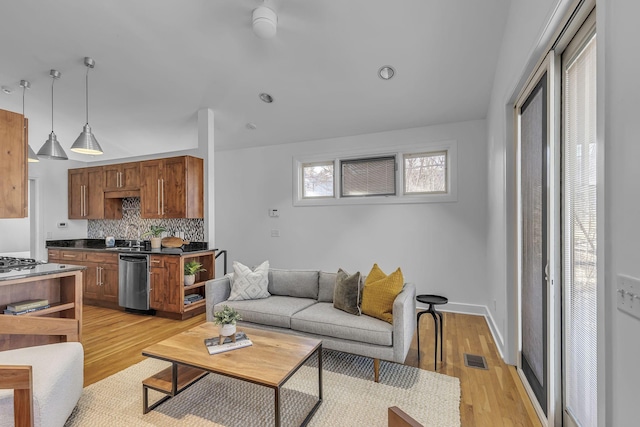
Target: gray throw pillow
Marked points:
346	294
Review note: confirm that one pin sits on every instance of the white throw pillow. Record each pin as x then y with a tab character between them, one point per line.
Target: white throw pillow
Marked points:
247	284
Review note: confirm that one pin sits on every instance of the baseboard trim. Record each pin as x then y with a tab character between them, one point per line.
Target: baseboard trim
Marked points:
475	310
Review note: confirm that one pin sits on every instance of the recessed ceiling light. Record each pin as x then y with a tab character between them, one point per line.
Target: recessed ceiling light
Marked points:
386	72
251	126
266	98
7	90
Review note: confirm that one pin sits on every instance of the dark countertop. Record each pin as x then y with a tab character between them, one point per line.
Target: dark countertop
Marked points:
39	270
122	246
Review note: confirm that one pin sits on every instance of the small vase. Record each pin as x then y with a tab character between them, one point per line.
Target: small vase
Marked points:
227	330
156	242
189	279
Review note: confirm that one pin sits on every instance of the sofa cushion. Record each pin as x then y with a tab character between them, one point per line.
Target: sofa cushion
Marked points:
57	381
379	293
346	294
294	283
247	284
275	310
326	284
323	319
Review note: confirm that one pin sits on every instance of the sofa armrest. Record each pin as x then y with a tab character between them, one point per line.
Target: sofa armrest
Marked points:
216	291
404	322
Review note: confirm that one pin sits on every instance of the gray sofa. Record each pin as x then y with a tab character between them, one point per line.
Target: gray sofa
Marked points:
301	303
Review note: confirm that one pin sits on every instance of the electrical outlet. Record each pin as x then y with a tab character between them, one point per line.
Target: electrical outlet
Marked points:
273	213
628	295
275	233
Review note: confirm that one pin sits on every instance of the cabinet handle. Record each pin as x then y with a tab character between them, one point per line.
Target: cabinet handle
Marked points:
162	196
155	261
158	197
82	200
84	197
119	180
68	256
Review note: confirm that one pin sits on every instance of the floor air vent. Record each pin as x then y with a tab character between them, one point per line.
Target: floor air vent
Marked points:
475	361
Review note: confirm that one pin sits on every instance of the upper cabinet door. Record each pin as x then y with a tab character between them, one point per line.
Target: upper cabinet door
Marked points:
122	177
77	178
130	176
150	189
95	193
174	188
86	193
13	164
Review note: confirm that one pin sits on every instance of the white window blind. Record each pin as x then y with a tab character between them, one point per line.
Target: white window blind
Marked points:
369	177
579	241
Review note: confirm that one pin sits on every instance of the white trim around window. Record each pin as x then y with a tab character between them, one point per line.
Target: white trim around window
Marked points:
448	148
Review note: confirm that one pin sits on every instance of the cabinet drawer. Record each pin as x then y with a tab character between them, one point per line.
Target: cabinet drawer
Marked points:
156	261
100	257
69	256
53	254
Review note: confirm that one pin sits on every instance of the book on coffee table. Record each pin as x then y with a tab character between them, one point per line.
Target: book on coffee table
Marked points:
214	347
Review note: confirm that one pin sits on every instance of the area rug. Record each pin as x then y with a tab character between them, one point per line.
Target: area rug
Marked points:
350	397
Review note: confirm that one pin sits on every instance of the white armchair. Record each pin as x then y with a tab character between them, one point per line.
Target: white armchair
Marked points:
40	385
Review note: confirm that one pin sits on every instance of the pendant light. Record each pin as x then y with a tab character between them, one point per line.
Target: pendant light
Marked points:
32	155
51	149
86	142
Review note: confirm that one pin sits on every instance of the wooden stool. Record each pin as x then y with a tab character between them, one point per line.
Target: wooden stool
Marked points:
438	321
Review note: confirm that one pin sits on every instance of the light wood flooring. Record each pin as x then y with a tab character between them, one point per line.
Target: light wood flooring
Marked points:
113	340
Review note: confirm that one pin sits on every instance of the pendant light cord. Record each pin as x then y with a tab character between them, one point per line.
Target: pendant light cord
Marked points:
87	94
53	80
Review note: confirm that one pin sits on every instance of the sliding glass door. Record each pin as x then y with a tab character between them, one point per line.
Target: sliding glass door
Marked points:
579	228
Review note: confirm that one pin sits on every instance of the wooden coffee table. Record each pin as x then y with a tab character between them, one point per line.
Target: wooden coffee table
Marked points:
271	360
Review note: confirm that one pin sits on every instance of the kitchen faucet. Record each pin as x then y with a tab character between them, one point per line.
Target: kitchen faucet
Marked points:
126	232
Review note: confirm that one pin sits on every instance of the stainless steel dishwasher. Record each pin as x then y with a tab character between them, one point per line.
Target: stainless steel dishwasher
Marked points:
133	285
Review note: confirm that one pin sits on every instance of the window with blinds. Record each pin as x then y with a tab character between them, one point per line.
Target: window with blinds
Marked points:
579	229
368	177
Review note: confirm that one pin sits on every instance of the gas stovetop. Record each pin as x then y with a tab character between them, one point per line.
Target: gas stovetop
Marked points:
8	264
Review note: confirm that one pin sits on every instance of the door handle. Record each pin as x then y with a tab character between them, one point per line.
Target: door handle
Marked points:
546	272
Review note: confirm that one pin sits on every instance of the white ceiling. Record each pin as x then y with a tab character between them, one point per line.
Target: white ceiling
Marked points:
159	62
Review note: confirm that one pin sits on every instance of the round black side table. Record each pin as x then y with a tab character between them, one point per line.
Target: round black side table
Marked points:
438	321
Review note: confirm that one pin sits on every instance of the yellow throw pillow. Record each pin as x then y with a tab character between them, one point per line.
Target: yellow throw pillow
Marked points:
379	293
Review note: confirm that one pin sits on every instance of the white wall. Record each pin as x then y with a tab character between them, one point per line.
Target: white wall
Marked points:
51	187
619	58
439	246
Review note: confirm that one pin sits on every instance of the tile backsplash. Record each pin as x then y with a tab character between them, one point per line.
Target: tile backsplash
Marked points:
131	224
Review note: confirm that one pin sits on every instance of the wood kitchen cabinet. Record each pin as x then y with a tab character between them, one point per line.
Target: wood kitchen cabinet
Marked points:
100	279
166	292
167	295
13	164
86	195
122	177
172	188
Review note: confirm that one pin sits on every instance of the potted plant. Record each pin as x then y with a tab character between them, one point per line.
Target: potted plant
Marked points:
155	231
226	319
190	270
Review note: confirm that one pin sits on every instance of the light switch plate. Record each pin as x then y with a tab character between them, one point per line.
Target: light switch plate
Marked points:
628	295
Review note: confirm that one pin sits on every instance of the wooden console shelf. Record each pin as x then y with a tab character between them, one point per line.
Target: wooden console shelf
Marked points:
63	289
